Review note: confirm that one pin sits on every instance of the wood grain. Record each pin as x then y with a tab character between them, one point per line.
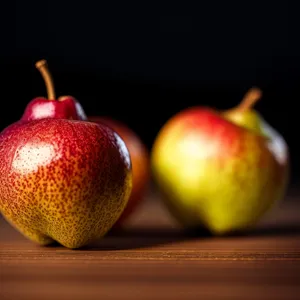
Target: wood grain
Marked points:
153	258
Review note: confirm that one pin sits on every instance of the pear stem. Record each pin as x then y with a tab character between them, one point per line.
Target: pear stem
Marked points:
250	98
43	68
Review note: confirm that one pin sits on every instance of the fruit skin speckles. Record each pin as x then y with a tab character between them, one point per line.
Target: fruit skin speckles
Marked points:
63	180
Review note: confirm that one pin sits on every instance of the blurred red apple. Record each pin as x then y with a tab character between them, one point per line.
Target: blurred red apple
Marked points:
140	164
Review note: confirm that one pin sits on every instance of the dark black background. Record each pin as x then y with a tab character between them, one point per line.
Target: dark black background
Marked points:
142	62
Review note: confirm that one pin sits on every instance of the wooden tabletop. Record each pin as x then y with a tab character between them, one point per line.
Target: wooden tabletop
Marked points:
154	259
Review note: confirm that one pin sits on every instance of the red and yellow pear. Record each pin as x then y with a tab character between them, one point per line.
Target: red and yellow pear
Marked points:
62	178
222	170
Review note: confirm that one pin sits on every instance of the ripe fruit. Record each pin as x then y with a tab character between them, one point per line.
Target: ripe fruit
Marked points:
63	180
220	170
140	164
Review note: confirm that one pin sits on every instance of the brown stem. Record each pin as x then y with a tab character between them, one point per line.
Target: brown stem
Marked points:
250	98
43	68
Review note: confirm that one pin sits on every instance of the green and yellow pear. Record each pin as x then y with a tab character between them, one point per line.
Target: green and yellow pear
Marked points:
222	170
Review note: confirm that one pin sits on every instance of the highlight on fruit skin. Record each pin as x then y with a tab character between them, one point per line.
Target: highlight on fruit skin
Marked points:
222	170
